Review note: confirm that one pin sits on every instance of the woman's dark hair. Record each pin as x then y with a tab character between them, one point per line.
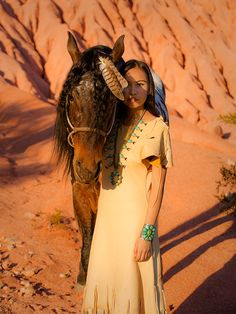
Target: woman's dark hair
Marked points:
150	101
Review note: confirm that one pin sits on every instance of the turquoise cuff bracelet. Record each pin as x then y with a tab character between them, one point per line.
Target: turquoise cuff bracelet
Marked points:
148	232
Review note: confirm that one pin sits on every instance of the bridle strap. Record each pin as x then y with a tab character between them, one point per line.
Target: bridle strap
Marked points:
86	129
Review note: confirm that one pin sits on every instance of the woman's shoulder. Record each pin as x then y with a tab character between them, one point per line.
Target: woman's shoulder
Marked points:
148	116
160	123
156	124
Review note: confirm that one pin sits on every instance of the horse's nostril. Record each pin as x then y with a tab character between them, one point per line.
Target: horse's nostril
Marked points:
79	163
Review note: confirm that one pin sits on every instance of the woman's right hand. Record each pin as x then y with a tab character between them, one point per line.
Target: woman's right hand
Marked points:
142	250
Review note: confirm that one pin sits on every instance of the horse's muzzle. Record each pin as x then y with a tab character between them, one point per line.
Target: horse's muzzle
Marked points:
84	175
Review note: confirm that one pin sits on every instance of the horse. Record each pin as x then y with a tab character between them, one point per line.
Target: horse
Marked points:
85	115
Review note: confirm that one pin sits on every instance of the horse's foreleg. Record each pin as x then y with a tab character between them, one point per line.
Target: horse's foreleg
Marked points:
85	199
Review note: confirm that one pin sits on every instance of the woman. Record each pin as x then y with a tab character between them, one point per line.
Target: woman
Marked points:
124	274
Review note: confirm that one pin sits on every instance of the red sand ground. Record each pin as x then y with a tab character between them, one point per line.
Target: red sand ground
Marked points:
39	262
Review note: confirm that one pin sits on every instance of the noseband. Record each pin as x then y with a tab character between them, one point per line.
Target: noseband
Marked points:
75	130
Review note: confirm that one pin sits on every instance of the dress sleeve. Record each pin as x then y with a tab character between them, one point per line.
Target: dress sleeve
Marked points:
156	148
166	151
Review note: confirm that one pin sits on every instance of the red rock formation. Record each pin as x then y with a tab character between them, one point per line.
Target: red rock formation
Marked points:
190	44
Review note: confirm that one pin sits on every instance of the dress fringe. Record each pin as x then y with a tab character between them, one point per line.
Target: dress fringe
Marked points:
159	299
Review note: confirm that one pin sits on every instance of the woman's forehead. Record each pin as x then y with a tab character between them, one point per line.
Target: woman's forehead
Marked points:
136	74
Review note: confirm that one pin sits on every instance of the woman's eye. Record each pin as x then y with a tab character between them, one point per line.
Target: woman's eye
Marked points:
140	84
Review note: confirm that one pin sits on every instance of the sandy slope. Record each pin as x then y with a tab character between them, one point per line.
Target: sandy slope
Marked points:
192	46
39	263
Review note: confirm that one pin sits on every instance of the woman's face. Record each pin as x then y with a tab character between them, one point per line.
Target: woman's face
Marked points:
137	90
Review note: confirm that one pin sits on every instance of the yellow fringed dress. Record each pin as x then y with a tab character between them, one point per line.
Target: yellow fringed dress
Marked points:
116	284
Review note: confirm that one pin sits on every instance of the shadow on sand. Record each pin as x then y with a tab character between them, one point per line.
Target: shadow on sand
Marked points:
20	129
217	293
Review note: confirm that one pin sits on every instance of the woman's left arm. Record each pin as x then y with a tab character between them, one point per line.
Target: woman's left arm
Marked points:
142	250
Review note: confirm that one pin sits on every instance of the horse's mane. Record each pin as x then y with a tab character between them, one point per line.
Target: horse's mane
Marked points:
88	62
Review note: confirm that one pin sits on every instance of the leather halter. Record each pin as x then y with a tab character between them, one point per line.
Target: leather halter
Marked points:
86	128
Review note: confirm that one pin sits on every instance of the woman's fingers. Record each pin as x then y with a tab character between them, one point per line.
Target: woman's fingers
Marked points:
142	256
138	255
142	259
142	250
147	255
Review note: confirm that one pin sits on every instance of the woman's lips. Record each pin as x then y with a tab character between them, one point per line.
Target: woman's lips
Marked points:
131	99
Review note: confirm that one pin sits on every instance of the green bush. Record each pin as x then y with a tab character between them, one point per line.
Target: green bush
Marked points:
226	188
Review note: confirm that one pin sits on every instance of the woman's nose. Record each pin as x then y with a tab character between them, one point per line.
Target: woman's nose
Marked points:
132	89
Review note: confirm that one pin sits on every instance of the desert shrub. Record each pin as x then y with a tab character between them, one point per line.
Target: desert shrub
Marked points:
56	218
226	188
229	118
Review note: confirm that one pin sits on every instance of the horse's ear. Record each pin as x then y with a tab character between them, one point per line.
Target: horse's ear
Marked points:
118	49
73	48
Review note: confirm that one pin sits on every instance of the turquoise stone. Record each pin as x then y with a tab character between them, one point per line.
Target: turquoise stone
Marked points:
115	178
120	160
148	232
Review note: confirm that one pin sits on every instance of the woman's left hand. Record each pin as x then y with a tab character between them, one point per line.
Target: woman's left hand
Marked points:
142	250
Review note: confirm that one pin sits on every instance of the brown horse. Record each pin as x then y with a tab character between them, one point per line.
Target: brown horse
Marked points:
85	116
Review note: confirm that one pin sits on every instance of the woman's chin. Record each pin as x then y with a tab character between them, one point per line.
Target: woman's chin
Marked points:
133	105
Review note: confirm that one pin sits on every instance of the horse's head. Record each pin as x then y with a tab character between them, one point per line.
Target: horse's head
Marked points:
87	107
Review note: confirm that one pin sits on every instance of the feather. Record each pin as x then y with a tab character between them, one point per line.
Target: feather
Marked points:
114	80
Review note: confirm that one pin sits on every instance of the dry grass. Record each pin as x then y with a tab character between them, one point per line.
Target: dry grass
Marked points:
56	219
229	118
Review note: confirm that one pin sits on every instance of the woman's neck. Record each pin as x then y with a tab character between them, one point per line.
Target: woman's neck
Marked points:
132	115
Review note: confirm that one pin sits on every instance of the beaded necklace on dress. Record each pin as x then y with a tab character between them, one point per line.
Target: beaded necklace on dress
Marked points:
119	161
